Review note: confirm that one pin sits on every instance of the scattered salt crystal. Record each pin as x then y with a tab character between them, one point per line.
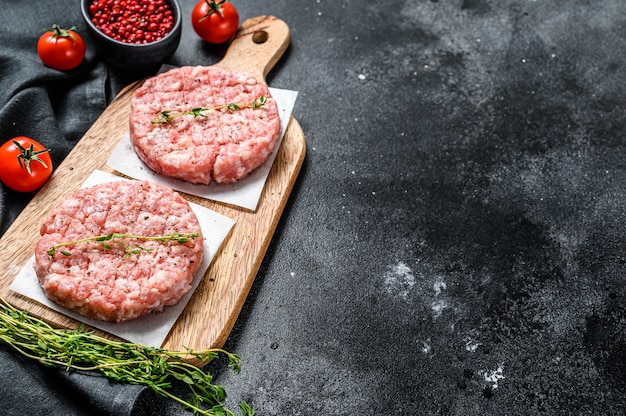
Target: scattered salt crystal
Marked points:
494	376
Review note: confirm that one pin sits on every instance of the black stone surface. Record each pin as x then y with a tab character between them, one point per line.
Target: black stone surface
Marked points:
455	243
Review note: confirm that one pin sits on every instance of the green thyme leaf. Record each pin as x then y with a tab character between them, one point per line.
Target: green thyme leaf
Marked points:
166	116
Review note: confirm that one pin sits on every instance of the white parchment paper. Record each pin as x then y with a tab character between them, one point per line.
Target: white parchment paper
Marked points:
245	193
152	329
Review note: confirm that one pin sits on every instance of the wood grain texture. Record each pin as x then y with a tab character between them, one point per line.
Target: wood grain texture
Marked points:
211	313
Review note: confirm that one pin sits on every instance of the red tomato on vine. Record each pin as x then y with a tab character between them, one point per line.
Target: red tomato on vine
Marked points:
61	49
215	22
25	164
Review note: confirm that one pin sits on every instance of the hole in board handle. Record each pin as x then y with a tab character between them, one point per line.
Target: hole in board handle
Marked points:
260	36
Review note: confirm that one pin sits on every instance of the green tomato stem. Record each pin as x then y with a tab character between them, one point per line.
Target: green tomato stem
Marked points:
28	155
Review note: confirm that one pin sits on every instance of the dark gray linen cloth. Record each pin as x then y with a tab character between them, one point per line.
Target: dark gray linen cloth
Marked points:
55	108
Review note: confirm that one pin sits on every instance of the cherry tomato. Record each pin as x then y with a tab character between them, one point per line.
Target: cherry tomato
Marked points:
215	22
61	49
25	164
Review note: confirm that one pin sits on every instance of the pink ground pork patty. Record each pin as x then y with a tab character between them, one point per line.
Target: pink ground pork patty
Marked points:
108	283
225	146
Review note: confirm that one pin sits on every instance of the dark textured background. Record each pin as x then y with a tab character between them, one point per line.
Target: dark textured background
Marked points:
455	243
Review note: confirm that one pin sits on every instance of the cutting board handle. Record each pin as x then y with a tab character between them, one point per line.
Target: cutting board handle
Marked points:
258	45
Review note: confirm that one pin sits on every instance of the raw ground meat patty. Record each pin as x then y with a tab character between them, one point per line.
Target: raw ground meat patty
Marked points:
224	146
109	284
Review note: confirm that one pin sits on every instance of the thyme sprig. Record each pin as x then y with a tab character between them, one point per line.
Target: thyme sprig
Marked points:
166	116
181	238
124	362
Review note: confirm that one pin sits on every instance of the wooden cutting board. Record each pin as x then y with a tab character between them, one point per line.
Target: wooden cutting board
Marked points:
211	313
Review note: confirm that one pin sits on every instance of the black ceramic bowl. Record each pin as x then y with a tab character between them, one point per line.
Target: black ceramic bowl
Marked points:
135	56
